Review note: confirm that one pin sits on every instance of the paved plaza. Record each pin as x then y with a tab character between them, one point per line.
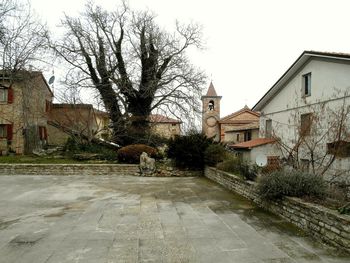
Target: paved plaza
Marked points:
96	219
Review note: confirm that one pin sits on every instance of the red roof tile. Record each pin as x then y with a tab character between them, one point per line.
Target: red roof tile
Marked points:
158	118
245	109
252	143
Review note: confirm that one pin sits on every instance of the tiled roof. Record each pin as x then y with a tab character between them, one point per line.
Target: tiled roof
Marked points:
158	118
211	91
72	105
19	75
232	115
252	143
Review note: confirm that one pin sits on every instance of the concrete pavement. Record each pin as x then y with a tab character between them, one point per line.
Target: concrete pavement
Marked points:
96	219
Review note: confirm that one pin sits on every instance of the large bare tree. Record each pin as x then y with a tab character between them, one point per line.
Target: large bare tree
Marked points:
134	64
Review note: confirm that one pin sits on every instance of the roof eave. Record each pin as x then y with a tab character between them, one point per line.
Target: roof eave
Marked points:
301	60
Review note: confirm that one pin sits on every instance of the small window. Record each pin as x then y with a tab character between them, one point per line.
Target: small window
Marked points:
3	95
211	105
339	148
3	131
173	124
237	137
247	136
305	124
268	128
307	84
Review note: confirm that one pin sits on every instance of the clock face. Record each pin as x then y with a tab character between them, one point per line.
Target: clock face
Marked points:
211	121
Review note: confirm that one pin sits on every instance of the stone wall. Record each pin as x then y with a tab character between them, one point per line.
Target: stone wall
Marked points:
68	169
322	223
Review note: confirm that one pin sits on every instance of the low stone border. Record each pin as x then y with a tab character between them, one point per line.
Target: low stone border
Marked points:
69	169
319	221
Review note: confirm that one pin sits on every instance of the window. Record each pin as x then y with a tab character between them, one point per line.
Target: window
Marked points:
237	137
42	133
211	105
268	128
3	131
339	148
3	95
247	136
307	84
305	124
6	131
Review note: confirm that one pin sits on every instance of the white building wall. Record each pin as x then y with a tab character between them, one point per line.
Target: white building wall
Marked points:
267	150
330	80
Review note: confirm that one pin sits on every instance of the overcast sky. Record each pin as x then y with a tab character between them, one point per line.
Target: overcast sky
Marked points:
249	43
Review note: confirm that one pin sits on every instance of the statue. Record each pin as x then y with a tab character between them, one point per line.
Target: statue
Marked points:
147	164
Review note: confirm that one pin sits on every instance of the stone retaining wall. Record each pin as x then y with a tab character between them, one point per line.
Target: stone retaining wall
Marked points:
68	169
322	223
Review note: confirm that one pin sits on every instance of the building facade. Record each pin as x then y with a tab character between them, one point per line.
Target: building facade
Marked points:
237	127
25	99
308	112
164	126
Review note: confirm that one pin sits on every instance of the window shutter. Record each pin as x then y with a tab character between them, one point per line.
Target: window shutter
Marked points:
45	133
10	95
9	132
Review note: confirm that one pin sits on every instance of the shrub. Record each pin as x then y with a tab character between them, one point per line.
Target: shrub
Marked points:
249	172
131	153
230	164
214	154
291	183
188	151
234	165
74	147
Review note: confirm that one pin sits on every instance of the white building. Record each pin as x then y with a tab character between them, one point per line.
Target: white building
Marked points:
307	110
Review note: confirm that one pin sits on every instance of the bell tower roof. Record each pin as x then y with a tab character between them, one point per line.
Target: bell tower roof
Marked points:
211	91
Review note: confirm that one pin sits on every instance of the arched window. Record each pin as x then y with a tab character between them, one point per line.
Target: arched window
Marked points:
211	105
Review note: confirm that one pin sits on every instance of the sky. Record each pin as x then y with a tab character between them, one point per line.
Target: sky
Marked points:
249	44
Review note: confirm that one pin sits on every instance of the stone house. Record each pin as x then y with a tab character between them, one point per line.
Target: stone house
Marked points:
25	99
164	126
80	119
308	111
240	126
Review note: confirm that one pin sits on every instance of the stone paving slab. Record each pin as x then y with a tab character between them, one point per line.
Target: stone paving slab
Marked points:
52	219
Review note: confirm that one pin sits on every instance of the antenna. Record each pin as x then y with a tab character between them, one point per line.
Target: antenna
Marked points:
51	82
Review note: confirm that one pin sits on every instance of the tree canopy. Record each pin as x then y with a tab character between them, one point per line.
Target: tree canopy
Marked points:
135	65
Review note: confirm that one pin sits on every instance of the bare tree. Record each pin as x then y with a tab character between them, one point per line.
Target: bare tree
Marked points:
134	64
23	36
322	135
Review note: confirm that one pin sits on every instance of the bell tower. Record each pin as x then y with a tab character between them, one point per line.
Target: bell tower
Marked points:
211	113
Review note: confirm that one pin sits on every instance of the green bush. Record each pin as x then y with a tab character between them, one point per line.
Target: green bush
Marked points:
131	153
188	151
230	164
74	147
214	154
234	165
291	183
